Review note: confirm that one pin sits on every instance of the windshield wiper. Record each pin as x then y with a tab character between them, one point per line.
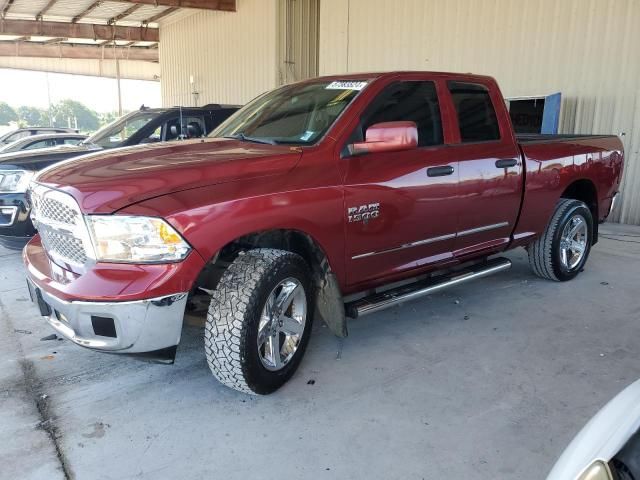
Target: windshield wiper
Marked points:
243	137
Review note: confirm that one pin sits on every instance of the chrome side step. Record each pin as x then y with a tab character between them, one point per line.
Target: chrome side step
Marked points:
389	298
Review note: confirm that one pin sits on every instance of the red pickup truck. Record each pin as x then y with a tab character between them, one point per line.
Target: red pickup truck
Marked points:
333	197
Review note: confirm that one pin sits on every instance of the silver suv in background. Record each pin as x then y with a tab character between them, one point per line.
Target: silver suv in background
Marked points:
19	133
46	140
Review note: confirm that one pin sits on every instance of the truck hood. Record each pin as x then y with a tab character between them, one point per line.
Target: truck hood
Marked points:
107	181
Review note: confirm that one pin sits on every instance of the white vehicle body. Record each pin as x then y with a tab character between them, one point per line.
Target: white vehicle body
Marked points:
602	438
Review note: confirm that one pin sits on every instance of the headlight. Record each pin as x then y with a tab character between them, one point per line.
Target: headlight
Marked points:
597	471
128	239
15	181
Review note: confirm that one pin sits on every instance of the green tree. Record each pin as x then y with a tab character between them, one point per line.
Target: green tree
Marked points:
69	113
7	114
33	117
106	118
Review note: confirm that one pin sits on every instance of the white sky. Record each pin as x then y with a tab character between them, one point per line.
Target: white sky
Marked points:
22	87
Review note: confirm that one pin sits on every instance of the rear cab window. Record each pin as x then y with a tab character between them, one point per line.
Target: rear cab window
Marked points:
475	112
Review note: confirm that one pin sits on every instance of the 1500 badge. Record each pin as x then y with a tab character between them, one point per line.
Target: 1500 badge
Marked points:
363	213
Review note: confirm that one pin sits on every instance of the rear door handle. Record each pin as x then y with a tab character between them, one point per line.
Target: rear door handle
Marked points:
509	162
440	171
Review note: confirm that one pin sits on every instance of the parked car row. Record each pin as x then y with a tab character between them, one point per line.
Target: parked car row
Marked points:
19	162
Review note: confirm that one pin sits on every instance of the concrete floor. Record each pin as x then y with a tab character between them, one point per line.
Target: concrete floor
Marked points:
488	380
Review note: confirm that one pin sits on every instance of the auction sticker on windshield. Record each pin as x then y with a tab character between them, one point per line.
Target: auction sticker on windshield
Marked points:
339	85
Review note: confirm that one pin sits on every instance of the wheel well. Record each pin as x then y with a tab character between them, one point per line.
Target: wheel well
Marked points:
290	240
585	191
329	301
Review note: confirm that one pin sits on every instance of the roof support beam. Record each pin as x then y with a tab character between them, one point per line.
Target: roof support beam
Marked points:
45	9
123	14
86	11
160	15
5	7
224	5
78	30
86	52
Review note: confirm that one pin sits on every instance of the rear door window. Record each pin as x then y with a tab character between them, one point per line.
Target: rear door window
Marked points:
40	144
17	136
69	141
192	127
476	116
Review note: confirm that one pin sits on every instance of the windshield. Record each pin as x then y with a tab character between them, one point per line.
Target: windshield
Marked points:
117	132
298	114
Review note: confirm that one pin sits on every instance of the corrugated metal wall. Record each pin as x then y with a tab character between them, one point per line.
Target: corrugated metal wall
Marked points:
587	49
231	55
298	37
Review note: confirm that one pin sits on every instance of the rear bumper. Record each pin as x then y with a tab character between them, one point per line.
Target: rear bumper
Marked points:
127	327
616	198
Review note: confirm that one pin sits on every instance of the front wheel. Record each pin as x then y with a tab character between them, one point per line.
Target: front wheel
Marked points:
259	320
561	252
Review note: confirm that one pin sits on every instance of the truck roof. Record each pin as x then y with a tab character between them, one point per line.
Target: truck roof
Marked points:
394	73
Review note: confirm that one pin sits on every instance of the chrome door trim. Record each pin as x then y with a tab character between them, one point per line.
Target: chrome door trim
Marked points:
406	245
426	241
471	231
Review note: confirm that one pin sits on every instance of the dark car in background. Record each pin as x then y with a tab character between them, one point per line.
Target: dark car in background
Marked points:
46	140
19	133
147	125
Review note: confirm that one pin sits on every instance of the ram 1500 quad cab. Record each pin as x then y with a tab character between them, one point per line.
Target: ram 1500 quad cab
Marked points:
331	198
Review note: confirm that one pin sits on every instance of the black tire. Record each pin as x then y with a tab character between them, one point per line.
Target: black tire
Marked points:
545	252
233	319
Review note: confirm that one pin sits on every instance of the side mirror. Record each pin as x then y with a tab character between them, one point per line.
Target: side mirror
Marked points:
387	137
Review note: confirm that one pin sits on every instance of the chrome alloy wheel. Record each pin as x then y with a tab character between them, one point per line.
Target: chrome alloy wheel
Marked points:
573	242
282	324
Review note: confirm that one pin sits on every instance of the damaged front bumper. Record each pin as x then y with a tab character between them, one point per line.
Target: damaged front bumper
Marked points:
128	327
118	308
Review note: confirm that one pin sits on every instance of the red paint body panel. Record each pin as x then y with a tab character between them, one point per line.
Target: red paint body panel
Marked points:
214	191
552	166
109	180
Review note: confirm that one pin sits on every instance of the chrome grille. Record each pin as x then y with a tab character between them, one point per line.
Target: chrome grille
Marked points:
58	219
52	209
64	245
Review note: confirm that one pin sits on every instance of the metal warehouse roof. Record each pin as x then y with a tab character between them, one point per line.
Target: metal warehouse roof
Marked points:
84	28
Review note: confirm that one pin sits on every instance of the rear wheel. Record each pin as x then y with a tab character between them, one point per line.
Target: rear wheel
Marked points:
259	321
561	252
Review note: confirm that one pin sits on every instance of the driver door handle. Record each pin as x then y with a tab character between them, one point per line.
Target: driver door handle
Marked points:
440	171
506	163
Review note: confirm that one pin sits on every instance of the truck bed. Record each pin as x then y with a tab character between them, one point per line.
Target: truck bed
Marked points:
554	162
